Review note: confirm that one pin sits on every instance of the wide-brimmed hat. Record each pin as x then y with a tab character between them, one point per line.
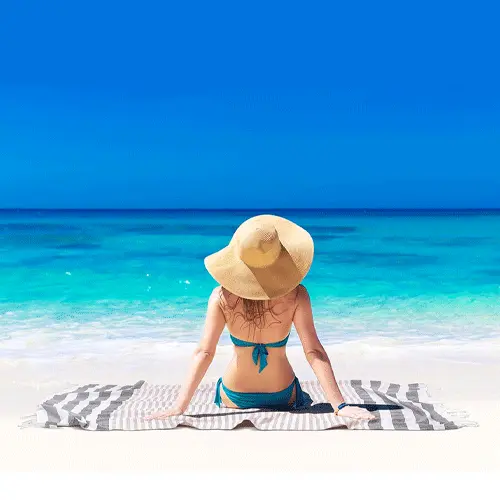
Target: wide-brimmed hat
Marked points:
267	257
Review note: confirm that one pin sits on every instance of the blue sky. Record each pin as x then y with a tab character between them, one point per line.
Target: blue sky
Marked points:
261	104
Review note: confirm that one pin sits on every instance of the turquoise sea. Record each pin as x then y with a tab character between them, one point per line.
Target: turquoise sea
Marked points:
82	281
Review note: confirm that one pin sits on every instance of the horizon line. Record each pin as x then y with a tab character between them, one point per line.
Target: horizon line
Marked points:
328	209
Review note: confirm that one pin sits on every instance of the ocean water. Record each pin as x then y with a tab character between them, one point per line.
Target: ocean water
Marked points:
83	282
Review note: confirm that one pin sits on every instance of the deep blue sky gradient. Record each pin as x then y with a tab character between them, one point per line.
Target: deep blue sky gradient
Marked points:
255	104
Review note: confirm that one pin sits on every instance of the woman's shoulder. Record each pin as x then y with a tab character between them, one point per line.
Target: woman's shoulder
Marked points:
292	297
299	292
301	295
216	294
222	296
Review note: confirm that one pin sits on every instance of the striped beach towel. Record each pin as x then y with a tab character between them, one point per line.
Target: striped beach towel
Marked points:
111	407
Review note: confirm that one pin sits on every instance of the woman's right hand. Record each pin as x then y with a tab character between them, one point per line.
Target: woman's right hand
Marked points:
162	415
355	412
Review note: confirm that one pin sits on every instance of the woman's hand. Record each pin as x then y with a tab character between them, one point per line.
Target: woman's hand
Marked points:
355	412
162	415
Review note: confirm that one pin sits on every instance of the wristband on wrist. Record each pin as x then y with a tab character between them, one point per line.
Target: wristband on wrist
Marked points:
339	407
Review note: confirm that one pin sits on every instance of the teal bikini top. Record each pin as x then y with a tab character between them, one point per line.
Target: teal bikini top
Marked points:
259	354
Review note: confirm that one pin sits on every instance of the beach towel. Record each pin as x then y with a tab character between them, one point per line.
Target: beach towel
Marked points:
96	407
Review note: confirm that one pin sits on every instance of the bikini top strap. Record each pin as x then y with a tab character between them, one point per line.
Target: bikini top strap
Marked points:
281	343
259	353
241	343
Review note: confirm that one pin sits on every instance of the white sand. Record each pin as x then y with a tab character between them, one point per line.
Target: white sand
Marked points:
465	378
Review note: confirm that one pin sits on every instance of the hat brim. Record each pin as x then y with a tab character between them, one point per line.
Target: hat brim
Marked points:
271	282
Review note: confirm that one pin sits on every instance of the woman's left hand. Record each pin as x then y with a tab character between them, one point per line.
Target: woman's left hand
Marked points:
162	415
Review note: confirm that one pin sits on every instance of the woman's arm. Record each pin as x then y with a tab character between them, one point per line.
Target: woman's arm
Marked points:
318	358
202	357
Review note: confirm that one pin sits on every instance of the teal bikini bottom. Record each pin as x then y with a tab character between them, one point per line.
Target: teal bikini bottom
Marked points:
272	400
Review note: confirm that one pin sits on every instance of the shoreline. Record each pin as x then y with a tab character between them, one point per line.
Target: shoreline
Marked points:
482	350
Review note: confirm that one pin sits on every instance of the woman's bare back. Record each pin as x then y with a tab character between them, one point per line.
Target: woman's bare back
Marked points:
242	375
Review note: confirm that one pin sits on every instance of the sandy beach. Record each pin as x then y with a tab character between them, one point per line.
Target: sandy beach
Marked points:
461	377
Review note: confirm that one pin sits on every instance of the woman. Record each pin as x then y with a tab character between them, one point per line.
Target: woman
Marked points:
259	298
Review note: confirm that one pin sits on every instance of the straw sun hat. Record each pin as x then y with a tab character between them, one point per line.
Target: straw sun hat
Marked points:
267	257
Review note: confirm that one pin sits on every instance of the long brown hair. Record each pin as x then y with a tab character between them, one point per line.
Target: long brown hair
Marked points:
254	314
